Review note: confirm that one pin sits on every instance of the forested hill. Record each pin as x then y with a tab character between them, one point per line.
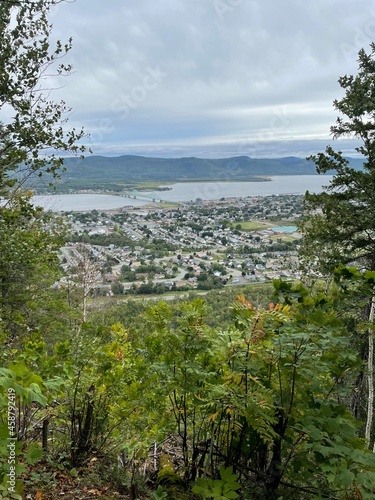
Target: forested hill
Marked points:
122	172
140	168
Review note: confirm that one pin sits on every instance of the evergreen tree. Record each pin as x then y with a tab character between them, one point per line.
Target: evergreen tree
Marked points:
340	227
340	223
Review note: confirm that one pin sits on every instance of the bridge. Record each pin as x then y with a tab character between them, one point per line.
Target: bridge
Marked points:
143	196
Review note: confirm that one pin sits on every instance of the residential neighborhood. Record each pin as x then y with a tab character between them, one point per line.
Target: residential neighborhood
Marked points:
203	245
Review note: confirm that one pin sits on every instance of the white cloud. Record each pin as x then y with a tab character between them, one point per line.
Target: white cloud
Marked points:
225	77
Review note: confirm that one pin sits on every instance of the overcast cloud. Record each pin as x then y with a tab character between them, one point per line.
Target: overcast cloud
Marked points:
210	78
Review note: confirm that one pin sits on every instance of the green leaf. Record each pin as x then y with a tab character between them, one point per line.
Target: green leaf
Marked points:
74	472
231	494
33	453
345	478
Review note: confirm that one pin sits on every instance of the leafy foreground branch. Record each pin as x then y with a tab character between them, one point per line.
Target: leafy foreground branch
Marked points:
182	410
34	140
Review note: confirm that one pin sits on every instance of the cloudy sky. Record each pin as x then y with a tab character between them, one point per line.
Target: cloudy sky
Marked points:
210	78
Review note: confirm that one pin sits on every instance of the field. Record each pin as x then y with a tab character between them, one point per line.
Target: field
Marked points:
283	237
254	225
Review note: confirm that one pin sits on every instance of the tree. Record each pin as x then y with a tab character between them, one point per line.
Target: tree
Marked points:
264	396
340	226
344	229
28	268
33	139
87	272
117	288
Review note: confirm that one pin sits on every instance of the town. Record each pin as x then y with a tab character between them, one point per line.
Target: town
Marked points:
201	245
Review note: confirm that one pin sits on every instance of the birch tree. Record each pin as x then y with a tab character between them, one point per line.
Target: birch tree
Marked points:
34	137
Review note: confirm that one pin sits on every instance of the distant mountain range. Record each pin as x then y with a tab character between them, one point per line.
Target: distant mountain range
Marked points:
125	168
95	171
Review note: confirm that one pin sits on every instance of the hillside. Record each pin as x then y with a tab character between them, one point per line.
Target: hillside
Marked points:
126	168
127	171
115	173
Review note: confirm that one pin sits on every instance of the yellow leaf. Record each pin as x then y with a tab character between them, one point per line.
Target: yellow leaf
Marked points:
212	417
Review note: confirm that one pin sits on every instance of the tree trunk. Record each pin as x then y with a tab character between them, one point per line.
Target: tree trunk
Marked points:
82	425
275	471
370	376
45	435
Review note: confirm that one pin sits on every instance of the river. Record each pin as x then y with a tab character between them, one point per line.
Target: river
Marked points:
187	191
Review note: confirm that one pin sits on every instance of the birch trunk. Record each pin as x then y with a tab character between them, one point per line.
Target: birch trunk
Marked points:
370	375
87	272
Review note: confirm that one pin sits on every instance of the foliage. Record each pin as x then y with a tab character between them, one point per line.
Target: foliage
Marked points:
255	403
159	494
240	396
117	288
31	142
97	364
29	242
118	239
343	231
339	226
25	394
247	396
33	138
216	488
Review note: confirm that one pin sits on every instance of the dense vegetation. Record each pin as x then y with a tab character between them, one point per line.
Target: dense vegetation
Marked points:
263	395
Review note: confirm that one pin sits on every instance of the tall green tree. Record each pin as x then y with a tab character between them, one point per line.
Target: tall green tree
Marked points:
30	303
34	139
340	224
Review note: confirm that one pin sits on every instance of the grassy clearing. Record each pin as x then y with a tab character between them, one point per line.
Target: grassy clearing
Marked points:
283	237
254	225
167	204
283	222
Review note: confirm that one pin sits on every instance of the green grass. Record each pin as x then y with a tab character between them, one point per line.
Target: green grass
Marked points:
283	237
253	225
283	222
167	204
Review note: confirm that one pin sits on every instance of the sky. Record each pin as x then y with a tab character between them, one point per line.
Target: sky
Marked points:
210	78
